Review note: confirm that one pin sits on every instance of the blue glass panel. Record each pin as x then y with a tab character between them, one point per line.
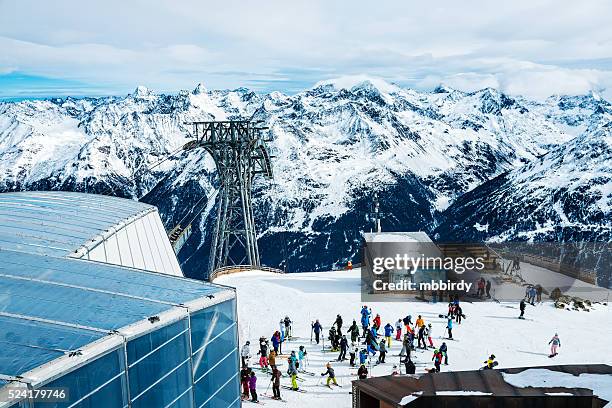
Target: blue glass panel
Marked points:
217	348
211	320
97	384
104	277
158	378
65	304
186	401
217	393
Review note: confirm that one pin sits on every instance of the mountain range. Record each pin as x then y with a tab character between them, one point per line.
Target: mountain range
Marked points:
462	166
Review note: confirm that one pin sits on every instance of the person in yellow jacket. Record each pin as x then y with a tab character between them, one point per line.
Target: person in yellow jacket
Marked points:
420	322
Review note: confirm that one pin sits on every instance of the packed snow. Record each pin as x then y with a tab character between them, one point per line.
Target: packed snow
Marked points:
265	298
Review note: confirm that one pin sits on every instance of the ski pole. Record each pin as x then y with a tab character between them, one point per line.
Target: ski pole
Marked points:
311	330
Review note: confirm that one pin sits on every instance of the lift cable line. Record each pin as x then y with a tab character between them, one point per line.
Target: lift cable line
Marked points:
240	154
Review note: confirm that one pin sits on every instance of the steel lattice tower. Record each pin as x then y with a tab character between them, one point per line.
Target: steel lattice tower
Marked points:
240	153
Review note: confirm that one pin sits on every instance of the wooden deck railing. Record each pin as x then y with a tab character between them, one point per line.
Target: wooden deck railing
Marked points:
227	270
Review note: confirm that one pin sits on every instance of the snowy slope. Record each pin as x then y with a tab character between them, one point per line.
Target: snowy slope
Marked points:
264	299
335	145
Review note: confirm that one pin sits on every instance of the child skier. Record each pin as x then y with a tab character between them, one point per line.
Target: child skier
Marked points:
556	342
363	356
353	351
263	353
444	350
377	322
245	375
437	359
292	370
522	307
388	333
331	376
253	386
302	356
449	327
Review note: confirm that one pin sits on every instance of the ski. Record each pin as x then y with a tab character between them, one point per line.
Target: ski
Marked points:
272	398
307	372
291	389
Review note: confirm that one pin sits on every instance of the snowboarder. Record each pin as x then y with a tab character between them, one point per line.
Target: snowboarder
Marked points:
343	347
276	375
444	350
245	353
382	349
555	342
522	307
353	330
353	351
362	373
338	324
287	323
388	333
263	353
317	328
398	330
437	359
490	363
245	375
331	376
302	356
458	314
430	335
253	386
421	343
488	289
449	327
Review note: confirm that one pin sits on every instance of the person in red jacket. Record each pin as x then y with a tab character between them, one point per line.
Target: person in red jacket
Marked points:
437	359
376	322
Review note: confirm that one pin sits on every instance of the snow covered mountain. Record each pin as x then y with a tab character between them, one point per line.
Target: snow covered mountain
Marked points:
335	145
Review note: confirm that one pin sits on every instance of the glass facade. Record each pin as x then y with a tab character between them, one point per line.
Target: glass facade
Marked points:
162	369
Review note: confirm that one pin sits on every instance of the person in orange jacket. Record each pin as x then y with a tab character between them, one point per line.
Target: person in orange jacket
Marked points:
349	265
420	322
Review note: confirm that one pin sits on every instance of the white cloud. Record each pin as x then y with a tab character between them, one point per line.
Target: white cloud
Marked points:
539	47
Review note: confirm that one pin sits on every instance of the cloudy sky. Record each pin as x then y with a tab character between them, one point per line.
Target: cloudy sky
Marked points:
536	48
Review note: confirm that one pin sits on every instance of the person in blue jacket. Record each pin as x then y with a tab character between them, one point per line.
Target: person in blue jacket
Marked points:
449	327
363	356
317	328
388	332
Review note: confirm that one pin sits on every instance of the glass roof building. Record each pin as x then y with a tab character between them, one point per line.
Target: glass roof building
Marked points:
93	303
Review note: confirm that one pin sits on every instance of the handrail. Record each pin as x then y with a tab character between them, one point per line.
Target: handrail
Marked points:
227	270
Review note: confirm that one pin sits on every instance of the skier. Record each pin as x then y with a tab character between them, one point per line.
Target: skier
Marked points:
458	314
317	328
362	373
363	356
292	370
388	332
406	349
275	341
343	347
488	289
437	359
490	363
353	353
430	335
302	356
420	322
382	349
253	386
245	353
407	320
522	307
263	353
338	324
422	343
444	350
556	342
449	327
283	333
398	330
276	375
532	295
272	359
287	322
245	374
331	376
353	330
333	338
376	322
408	365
